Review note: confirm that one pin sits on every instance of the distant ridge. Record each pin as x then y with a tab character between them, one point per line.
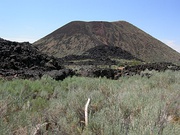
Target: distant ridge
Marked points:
77	37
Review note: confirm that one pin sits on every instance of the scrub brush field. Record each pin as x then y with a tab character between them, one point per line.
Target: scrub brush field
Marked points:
133	105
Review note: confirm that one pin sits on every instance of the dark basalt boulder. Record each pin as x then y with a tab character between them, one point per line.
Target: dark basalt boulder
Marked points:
98	72
60	74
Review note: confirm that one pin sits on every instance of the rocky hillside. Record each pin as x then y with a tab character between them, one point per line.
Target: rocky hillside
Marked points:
77	38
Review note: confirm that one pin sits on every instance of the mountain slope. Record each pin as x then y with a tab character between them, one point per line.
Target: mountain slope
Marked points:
76	38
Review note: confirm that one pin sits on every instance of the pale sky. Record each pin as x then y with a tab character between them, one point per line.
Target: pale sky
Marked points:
30	20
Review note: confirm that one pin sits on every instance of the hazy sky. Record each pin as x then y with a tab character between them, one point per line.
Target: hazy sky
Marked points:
30	20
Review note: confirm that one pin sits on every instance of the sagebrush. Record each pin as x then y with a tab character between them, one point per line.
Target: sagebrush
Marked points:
129	106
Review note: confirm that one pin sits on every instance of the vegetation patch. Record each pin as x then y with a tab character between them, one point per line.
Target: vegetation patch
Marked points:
131	105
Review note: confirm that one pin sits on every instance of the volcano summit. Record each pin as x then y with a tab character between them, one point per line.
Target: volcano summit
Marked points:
78	38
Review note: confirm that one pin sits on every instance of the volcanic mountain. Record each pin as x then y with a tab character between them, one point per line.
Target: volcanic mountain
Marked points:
79	38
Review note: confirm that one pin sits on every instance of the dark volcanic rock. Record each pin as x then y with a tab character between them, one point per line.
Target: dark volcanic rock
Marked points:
25	61
99	55
162	66
60	74
108	73
106	51
97	72
127	71
18	56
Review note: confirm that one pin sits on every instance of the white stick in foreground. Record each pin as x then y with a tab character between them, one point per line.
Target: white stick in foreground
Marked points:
86	112
37	128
